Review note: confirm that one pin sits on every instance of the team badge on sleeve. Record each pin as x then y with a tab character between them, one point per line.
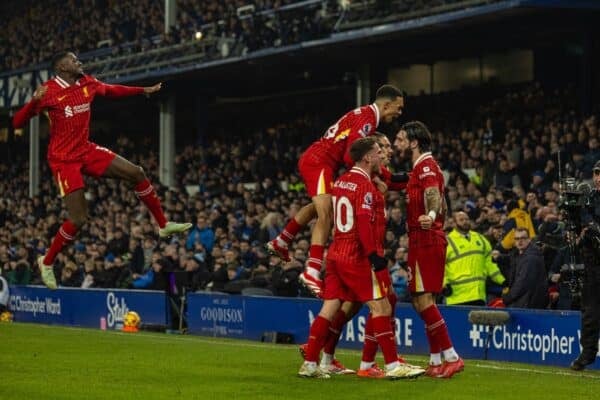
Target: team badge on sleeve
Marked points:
364	131
367	201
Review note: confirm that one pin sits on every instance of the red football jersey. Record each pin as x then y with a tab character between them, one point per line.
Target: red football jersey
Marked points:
333	147
68	108
425	173
354	194
380	221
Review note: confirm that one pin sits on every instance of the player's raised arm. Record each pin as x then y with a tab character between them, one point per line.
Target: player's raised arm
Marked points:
30	109
123	91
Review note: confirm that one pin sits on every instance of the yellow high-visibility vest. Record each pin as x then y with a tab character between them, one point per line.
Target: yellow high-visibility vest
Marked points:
468	265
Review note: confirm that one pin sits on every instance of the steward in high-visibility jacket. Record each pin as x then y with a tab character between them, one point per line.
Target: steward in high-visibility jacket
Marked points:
468	265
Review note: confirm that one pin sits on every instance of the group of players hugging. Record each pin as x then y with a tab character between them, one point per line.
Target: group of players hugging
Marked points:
356	271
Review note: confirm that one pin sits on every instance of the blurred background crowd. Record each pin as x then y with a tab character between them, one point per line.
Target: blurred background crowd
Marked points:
38	30
499	156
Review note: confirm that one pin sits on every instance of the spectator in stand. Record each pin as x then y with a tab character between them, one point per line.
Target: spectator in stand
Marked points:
517	218
202	233
284	276
396	223
399	274
590	157
155	277
527	281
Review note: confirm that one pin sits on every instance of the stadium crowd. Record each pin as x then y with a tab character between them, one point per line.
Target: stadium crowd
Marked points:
37	30
239	191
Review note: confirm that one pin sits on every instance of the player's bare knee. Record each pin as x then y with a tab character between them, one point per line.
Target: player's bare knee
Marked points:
138	174
379	308
325	215
421	302
79	219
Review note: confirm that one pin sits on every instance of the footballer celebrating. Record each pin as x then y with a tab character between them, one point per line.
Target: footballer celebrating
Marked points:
427	244
67	98
318	166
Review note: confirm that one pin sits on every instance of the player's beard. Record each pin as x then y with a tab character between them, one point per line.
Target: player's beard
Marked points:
405	155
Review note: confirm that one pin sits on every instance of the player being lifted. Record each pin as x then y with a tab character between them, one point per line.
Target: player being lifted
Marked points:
319	164
67	99
329	363
356	268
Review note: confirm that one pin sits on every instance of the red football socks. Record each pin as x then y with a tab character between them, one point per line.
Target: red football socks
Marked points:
437	331
382	327
146	193
335	329
316	338
370	345
66	234
315	256
290	231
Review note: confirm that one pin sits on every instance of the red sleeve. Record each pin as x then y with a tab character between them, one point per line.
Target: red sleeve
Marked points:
347	160
427	176
107	90
27	111
397	186
364	219
360	125
386	177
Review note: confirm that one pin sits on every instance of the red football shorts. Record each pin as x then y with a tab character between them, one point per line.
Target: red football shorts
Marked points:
426	266
69	175
354	281
317	176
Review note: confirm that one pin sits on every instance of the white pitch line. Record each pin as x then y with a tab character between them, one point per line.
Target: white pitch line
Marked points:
232	342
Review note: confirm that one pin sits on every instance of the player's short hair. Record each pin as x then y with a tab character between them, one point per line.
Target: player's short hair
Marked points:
389	92
58	57
379	137
416	130
362	146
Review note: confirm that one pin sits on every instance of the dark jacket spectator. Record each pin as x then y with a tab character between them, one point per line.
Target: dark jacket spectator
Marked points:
528	287
284	279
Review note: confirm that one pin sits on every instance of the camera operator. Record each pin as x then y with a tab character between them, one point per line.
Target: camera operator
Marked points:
590	295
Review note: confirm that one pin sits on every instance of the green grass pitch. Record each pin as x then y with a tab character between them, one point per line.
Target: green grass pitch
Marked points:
52	362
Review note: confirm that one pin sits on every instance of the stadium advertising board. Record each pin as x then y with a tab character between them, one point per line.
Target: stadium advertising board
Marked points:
535	337
85	307
217	315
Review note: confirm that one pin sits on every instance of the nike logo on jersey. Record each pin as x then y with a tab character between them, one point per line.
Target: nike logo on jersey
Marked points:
62	97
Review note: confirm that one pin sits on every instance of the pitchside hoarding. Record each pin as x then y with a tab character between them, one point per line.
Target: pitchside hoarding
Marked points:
536	337
85	307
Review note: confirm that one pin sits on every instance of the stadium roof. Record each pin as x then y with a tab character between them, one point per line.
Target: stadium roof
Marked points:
500	23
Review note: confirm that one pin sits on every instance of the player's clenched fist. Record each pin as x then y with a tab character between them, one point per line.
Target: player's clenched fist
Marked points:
39	92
